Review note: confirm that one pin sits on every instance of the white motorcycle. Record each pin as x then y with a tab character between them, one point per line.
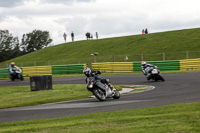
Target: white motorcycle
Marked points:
16	74
154	74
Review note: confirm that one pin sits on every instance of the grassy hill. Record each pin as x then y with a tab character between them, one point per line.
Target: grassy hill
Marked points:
173	43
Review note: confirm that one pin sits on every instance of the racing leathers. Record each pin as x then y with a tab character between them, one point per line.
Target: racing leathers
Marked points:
95	73
13	68
146	69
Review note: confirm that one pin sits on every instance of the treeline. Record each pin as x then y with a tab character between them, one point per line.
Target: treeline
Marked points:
10	47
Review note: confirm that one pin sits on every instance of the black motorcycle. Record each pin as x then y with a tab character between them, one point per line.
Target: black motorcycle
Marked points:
15	75
101	91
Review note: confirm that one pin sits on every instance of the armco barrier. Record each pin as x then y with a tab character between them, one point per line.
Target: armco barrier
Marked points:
162	65
4	73
47	70
37	70
135	66
68	69
113	66
190	64
174	65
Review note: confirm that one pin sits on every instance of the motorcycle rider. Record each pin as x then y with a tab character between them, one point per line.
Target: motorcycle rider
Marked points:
13	67
87	71
146	69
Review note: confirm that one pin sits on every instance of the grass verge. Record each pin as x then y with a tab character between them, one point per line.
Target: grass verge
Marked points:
23	96
177	118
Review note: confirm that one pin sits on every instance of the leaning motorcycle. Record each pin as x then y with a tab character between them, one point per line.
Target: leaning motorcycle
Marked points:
155	74
101	90
15	75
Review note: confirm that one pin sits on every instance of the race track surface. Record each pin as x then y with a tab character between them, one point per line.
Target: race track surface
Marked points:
178	88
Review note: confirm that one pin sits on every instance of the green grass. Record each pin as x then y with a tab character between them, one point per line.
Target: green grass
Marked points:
177	118
173	43
23	96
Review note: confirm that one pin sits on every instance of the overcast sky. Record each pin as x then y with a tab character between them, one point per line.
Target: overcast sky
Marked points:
110	18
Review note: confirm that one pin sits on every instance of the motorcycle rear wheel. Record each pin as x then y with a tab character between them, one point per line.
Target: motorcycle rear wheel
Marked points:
12	78
99	94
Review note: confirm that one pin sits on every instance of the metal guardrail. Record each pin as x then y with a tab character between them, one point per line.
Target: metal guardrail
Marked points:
113	66
47	70
192	64
173	65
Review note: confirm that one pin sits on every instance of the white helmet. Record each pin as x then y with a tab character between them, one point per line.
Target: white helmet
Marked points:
87	71
144	63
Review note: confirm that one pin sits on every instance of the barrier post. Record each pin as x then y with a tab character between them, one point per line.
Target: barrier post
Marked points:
142	57
187	55
79	61
113	58
163	56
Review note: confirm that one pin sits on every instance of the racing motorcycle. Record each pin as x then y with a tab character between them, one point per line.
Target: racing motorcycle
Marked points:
15	74
155	74
101	90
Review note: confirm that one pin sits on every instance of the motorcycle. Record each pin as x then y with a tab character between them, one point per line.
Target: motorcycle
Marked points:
101	90
155	74
16	74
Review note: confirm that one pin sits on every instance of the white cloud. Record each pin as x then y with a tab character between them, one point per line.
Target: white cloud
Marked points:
108	17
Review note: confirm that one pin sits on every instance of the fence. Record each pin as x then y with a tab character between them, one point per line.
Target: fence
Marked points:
113	58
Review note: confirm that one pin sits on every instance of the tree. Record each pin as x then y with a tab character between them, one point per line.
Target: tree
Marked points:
9	46
35	40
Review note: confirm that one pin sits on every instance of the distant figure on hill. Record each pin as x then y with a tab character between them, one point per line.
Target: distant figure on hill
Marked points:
87	35
97	35
72	35
143	31
146	31
65	36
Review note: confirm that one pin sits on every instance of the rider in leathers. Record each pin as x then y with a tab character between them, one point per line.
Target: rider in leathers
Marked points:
94	73
12	66
145	69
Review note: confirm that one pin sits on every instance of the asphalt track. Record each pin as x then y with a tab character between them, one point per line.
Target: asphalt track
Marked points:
178	88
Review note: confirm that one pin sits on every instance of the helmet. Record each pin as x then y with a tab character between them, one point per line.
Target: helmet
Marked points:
144	63
87	71
12	63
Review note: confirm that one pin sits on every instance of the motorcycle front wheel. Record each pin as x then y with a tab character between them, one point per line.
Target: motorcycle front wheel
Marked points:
22	78
161	78
116	95
12	78
99	94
